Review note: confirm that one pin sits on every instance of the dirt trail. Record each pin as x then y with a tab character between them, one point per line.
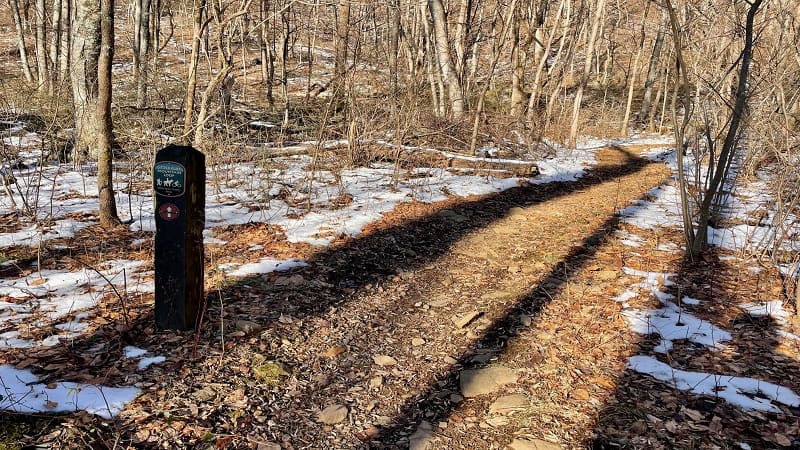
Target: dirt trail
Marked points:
381	340
506	295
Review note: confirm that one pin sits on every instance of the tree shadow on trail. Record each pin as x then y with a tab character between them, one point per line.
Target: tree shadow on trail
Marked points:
334	277
647	413
413	244
432	405
336	274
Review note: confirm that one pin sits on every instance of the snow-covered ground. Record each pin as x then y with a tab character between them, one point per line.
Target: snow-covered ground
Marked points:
307	206
314	208
674	320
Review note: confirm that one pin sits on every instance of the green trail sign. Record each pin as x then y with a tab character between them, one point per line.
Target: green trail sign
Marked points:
169	179
179	178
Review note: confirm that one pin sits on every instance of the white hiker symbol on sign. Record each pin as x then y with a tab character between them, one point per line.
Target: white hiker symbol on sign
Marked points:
169	178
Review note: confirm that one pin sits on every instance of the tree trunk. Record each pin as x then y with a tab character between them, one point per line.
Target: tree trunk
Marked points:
267	47
533	101
83	61
461	38
141	49
191	83
634	68
64	42
341	44
394	45
23	52
506	24
446	67
41	46
518	95
105	137
53	51
587	69
652	69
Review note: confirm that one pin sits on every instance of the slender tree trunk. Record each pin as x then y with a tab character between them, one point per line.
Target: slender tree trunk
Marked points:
394	45
55	39
141	49
65	40
267	46
446	67
652	69
518	95
482	97
587	69
83	63
461	37
105	138
632	73
41	46
533	101
23	52
191	83
342	36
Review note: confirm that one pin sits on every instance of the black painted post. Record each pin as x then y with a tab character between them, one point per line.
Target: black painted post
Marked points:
179	182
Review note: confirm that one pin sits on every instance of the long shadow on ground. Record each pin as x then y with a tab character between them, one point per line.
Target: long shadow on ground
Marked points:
413	244
371	259
646	413
382	254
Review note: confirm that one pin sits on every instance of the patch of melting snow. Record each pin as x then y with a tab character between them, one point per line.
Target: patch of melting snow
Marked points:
630	239
673	323
32	235
746	393
264	265
773	309
661	210
50	295
131	352
20	392
146	362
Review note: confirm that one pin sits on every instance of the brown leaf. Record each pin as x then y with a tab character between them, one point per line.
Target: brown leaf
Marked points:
38	282
581	395
369	434
693	414
223	442
335	351
715	425
25	363
782	439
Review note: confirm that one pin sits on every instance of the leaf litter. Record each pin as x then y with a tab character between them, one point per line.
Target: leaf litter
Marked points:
547	311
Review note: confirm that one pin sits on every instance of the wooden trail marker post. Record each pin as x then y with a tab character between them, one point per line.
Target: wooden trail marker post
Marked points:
179	183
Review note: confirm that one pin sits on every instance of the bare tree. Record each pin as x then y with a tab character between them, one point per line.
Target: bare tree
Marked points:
587	70
41	46
23	52
711	188
444	58
92	54
141	48
105	136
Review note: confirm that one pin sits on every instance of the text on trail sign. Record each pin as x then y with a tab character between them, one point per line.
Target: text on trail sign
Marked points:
169	179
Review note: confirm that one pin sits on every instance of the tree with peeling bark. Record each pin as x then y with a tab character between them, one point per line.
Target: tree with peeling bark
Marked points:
445	65
92	55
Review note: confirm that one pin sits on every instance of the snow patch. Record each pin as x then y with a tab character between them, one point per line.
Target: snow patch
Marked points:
746	393
20	392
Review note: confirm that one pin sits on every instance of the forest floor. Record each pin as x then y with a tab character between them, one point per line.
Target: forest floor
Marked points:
536	317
